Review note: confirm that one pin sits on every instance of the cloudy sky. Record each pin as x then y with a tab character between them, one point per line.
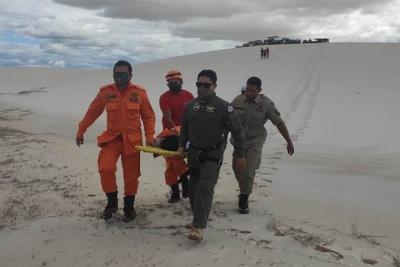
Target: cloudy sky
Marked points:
96	33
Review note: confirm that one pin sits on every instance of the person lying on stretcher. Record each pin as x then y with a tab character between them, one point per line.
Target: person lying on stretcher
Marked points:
176	171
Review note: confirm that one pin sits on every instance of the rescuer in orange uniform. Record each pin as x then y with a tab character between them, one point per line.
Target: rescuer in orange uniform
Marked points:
126	104
172	104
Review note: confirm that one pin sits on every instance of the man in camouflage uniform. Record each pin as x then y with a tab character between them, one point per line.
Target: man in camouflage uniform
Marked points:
205	125
254	109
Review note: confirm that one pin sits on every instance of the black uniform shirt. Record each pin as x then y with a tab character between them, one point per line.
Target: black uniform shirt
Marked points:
207	121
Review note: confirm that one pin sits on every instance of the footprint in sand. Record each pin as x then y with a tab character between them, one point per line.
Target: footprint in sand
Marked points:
219	213
275	158
238	231
267	173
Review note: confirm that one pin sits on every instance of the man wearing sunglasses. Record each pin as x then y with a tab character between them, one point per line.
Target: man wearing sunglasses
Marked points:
126	104
206	122
254	109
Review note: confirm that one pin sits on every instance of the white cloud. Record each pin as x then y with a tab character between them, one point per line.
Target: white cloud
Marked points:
91	33
59	64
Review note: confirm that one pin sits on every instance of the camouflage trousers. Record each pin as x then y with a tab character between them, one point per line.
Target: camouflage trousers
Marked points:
245	177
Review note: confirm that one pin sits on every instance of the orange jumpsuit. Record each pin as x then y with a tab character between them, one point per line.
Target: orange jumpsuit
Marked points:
124	112
175	167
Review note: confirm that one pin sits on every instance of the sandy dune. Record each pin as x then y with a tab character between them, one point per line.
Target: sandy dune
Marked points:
336	202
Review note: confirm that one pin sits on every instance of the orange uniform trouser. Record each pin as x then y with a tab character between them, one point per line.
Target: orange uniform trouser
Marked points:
175	167
107	162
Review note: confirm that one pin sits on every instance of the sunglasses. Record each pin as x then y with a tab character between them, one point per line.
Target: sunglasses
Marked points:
204	85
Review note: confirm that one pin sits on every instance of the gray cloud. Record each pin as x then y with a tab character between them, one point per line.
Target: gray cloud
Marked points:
238	20
325	7
184	10
240	27
157	10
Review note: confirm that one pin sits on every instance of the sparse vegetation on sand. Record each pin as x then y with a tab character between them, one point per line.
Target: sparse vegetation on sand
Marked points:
6	131
396	261
35	90
356	233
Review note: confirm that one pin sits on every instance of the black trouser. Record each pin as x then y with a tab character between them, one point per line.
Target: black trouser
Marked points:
201	191
204	166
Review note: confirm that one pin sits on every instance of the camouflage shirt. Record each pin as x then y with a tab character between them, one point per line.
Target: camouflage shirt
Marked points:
253	114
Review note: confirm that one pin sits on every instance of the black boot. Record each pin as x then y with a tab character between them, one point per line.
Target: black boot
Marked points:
129	210
243	204
112	205
175	195
185	187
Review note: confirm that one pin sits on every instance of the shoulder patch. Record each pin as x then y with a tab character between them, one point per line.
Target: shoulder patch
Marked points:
230	109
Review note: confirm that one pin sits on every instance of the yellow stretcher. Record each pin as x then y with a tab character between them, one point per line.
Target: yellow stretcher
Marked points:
158	151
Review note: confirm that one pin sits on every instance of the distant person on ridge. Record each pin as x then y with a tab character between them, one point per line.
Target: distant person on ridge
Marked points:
266	52
254	109
126	104
262	53
172	104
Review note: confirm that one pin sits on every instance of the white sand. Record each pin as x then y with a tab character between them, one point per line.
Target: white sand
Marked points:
340	104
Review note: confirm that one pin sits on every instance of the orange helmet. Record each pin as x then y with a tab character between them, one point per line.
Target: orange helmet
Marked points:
173	74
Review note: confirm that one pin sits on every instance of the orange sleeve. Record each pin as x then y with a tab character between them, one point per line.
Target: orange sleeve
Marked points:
176	130
166	132
148	117
94	111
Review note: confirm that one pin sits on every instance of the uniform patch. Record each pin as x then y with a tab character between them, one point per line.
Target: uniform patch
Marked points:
134	97
210	109
111	97
230	109
259	109
196	107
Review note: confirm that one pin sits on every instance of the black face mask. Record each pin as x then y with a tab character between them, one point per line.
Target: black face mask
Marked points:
121	79
203	89
203	92
175	87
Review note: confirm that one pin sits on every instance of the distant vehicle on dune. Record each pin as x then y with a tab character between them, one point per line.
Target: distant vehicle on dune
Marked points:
273	40
316	40
290	41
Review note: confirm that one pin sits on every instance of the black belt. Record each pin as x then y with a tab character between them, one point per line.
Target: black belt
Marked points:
210	148
212	153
